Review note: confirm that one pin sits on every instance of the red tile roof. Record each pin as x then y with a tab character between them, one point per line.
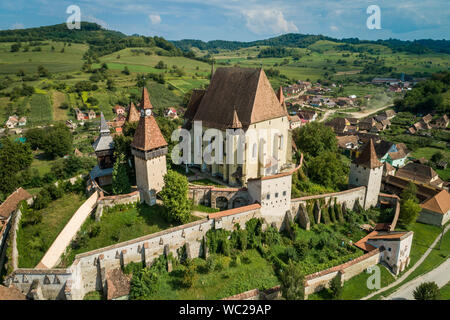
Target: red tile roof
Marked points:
10	204
368	157
234	211
440	203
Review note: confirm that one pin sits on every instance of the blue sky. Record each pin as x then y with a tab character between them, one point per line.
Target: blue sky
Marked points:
242	20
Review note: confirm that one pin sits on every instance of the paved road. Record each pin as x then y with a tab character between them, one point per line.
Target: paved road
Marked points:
440	275
407	273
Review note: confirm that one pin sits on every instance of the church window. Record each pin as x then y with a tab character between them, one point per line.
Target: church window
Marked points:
268	196
284	193
281	141
255	147
276	194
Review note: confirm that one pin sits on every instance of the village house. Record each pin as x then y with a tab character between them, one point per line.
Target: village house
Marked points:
442	122
421	173
80	115
12	122
395	154
436	210
294	122
119	110
389	114
307	115
71	125
171	113
339	125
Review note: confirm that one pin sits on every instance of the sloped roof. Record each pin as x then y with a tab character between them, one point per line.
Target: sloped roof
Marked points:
148	136
397	155
145	100
417	171
440	203
235	124
247	89
11	293
133	114
382	147
193	104
118	284
343	140
368	158
105	140
10	204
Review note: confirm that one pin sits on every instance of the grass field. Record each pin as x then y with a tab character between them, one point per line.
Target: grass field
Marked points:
118	226
34	240
41	109
445	292
54	61
218	284
59	114
42	163
356	288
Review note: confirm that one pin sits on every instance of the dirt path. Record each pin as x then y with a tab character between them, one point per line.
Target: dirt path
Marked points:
407	273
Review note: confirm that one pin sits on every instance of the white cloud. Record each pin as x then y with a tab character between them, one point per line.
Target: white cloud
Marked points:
18	25
334	28
155	18
268	21
93	19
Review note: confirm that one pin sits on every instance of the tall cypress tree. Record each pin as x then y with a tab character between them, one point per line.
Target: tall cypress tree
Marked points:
121	181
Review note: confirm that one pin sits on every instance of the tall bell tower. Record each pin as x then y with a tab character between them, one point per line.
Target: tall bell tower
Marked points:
367	170
149	149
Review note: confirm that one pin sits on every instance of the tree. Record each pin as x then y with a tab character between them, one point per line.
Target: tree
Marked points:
110	84
328	170
438	156
36	138
58	141
15	47
175	197
410	192
292	282
126	71
144	283
43	72
427	291
120	179
336	287
315	138
409	210
14	157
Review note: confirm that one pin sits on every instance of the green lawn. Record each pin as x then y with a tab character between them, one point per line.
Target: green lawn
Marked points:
41	109
220	283
34	240
202	208
356	288
118	225
42	163
445	292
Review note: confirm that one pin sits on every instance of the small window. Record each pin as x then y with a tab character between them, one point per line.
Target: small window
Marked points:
276	194
255	149
284	193
268	197
389	249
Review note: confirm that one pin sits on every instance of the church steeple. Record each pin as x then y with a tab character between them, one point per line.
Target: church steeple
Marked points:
133	113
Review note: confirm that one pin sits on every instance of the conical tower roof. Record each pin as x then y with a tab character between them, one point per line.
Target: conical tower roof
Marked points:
368	157
145	100
103	125
133	113
235	123
148	136
280	97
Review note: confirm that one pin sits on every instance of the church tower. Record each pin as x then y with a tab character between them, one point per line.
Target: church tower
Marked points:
149	149
367	170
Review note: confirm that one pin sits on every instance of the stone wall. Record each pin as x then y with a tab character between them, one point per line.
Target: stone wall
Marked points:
320	280
58	247
91	266
111	201
209	195
347	197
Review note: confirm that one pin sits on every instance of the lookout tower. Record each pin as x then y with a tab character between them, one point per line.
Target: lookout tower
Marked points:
149	149
367	170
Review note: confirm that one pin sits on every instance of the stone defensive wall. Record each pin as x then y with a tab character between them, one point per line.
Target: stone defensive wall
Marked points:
217	197
87	273
111	201
319	280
